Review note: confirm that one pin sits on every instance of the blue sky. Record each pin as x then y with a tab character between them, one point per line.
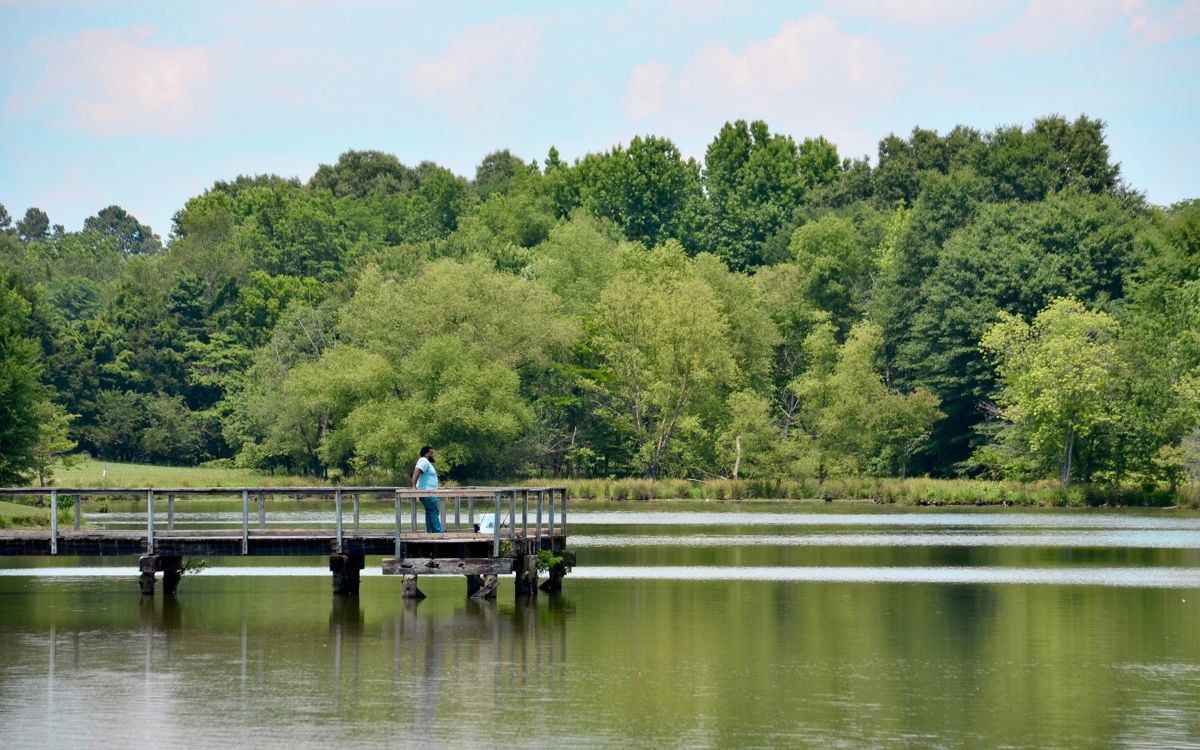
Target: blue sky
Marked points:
147	104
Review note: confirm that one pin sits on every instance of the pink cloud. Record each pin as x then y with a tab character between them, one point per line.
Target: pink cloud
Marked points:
1157	26
481	67
810	78
1050	24
116	82
929	14
1046	25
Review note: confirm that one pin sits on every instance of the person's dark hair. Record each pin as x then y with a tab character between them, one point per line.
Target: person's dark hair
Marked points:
425	450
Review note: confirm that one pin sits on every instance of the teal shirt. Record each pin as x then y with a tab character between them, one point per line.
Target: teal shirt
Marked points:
427	480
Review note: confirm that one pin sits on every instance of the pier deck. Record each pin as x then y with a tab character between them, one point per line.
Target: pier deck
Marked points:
529	520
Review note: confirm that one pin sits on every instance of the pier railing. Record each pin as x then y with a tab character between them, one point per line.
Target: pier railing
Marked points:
542	510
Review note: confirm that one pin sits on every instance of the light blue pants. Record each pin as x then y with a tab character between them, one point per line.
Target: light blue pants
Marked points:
433	515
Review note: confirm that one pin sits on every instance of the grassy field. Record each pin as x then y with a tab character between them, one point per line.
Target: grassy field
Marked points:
95	473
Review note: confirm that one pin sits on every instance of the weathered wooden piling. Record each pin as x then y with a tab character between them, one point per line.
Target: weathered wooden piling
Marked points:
346	571
171	566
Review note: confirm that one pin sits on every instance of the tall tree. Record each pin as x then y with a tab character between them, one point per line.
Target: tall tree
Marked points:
360	174
23	398
35	225
646	189
1059	381
131	236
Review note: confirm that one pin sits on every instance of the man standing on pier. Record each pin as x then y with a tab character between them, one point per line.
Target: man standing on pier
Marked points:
425	478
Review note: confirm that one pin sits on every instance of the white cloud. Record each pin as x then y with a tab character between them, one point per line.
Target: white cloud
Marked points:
646	93
480	68
1049	25
1156	26
119	82
811	78
929	14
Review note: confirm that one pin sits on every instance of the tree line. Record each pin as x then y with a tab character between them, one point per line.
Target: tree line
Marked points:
972	303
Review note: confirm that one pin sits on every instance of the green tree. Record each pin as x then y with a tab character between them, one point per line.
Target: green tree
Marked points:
34	226
754	182
23	398
453	396
1059	381
359	174
131	236
645	189
497	172
751	443
660	334
853	420
53	442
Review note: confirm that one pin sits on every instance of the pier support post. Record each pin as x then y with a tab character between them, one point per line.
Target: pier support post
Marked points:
410	587
482	587
346	572
554	582
172	570
526	580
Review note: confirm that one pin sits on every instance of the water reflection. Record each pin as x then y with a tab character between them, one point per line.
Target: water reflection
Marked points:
841	645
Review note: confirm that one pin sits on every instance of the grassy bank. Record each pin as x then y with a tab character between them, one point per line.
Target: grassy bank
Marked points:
911	492
16	515
96	473
914	492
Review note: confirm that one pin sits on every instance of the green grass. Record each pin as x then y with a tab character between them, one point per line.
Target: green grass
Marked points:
18	515
16	512
97	473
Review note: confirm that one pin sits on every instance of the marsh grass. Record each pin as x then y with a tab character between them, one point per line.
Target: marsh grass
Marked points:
887	491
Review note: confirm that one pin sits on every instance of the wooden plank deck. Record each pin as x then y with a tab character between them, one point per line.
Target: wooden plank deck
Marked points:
479	557
271	542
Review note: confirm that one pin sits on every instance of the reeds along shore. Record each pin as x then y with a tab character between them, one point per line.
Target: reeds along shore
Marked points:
914	492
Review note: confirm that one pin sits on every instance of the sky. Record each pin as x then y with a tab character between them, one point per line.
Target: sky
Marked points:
146	104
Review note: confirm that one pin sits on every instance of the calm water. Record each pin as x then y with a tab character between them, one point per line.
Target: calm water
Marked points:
809	629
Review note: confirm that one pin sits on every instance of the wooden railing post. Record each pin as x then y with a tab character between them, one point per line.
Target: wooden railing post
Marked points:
337	504
413	504
551	525
262	511
525	514
399	546
54	522
150	522
538	531
170	512
78	510
245	522
512	515
564	511
356	511
496	529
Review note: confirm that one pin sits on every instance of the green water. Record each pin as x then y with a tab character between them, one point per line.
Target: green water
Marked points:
273	659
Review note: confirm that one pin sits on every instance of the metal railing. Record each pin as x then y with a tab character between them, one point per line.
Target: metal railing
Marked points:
497	499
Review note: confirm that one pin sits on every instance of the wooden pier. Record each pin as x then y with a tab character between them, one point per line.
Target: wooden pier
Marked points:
527	520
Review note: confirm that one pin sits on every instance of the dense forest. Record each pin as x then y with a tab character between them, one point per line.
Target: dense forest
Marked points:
988	304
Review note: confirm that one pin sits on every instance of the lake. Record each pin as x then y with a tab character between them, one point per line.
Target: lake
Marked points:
807	627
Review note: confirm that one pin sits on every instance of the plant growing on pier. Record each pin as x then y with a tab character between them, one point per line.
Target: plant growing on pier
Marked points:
547	560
